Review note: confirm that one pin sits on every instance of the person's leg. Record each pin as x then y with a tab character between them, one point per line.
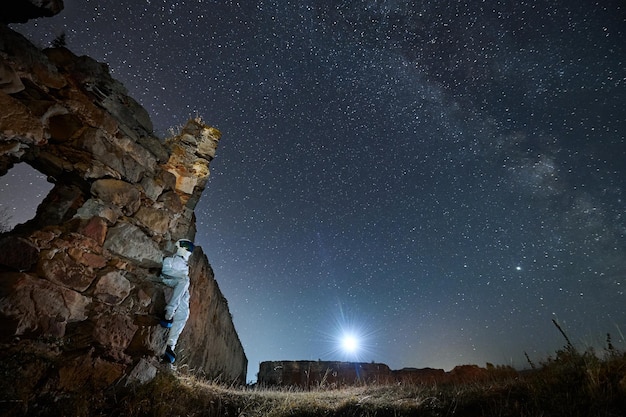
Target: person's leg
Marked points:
176	299
178	324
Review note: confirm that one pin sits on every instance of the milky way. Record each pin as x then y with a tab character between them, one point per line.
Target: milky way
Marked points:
443	178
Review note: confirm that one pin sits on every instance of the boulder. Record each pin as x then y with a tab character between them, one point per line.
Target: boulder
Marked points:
114	331
94	228
119	193
154	219
143	372
112	288
37	306
97	208
130	242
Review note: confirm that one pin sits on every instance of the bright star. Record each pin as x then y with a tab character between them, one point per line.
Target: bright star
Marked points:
348	339
350	343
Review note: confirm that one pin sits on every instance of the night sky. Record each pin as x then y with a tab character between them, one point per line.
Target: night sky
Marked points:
442	179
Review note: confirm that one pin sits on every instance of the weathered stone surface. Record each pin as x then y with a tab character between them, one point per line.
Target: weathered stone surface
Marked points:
130	242
114	331
88	259
154	219
97	208
171	202
17	122
71	260
112	288
94	228
61	269
83	250
188	175
143	298
120	193
183	225
204	138
148	339
152	187
39	306
191	152
219	352
127	158
44	239
143	372
200	139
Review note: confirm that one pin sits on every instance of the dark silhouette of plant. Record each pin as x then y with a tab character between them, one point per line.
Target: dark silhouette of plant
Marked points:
609	345
530	362
60	41
569	343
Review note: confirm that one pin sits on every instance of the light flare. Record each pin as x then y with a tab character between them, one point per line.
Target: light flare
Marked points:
350	343
349	339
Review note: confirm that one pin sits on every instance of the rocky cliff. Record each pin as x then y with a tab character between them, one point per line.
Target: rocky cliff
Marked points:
78	298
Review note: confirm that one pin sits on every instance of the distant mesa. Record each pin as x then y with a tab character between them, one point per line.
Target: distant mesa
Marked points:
333	374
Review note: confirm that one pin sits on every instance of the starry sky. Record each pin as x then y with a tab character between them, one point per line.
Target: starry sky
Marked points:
441	179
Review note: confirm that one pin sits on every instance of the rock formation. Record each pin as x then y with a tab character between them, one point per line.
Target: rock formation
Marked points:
78	295
321	374
333	374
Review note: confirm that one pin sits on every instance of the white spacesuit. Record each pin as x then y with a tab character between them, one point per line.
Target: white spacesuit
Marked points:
175	274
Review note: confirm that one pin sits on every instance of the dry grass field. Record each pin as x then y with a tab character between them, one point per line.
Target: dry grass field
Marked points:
570	383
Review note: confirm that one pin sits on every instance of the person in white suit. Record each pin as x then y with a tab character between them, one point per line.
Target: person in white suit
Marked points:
175	274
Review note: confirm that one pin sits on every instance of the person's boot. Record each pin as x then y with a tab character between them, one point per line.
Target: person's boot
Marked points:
169	355
165	322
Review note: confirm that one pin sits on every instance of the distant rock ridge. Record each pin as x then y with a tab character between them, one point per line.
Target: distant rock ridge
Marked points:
78	299
335	374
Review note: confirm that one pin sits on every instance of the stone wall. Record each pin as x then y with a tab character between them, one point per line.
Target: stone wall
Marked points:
78	295
221	352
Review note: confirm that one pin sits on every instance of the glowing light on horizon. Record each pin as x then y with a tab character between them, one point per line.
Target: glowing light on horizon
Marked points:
350	340
350	343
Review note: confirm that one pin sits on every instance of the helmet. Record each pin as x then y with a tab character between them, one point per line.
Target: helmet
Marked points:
184	248
186	244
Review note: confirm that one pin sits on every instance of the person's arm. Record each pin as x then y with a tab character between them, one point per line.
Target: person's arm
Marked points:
174	269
